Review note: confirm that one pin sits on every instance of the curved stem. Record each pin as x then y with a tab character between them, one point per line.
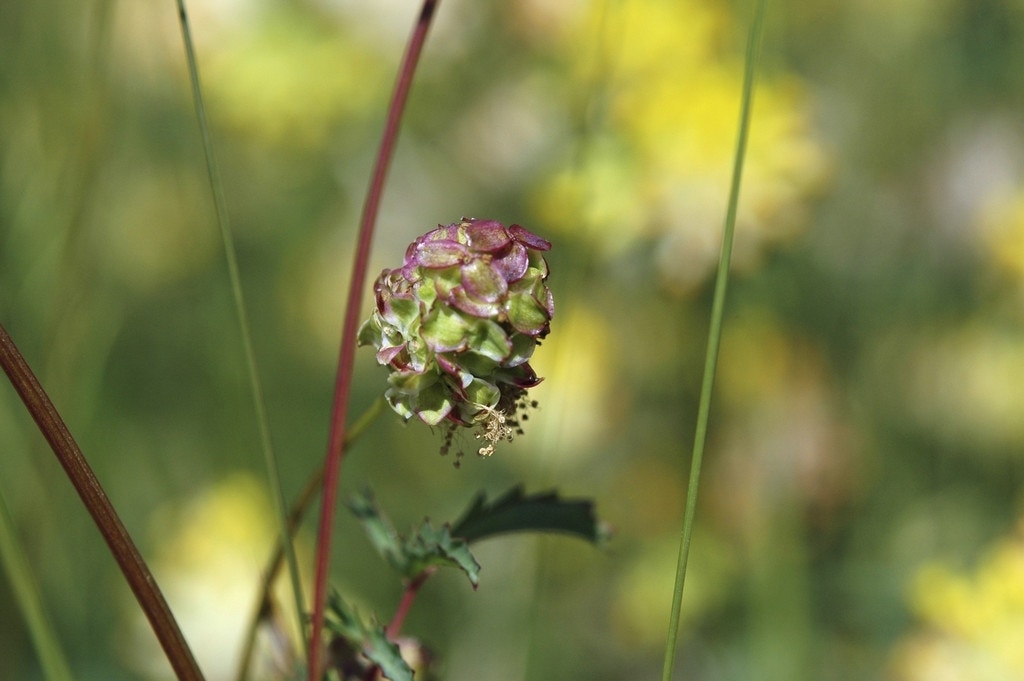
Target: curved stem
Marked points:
714	338
346	354
127	555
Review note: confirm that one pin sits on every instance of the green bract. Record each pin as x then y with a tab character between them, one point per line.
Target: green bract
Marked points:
457	323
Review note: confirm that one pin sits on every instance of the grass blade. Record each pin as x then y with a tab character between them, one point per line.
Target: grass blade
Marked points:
26	593
220	206
714	336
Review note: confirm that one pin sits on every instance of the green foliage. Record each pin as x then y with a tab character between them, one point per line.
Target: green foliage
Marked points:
413	554
365	638
16	567
514	511
448	545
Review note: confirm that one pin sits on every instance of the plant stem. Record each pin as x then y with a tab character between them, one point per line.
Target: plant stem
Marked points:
255	388
346	353
714	336
394	628
127	555
26	593
298	510
412	588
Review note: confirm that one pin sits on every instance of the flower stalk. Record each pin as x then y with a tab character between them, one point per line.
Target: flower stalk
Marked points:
350	326
714	337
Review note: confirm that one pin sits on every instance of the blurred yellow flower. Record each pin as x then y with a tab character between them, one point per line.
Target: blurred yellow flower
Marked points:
968	385
290	81
1002	228
208	564
574	398
658	163
971	625
642	597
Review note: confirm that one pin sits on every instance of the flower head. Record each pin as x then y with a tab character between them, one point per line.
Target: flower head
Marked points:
457	323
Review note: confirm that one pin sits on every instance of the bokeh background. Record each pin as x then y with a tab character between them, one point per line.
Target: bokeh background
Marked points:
860	515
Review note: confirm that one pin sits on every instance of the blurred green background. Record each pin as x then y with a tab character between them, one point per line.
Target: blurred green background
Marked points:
860	514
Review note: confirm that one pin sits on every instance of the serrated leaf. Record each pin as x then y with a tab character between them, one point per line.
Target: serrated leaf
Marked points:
411	555
516	512
370	639
431	546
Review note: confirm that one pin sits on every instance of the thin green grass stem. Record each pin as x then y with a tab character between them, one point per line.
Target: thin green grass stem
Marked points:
220	205
714	337
26	593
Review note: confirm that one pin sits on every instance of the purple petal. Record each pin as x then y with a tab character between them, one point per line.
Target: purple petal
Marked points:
513	264
442	233
487	236
449	367
386	355
528	238
523	377
410	252
437	255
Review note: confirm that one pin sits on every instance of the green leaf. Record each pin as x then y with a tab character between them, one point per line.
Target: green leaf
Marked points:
478	365
370	639
522	349
426	292
516	512
430	547
426	548
399	402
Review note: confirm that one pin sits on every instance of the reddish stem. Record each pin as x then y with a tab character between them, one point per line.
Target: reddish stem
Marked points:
412	588
127	555
408	597
346	354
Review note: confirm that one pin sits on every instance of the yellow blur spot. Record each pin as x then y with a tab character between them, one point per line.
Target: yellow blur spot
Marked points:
1002	224
969	385
209	558
666	78
577	366
291	81
971	625
643	595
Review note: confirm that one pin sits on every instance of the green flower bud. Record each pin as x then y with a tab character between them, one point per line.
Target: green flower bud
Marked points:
456	326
